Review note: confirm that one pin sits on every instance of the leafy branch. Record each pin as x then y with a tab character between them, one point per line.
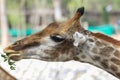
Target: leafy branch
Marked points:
10	62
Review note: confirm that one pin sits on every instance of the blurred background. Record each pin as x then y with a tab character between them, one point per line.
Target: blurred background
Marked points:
20	18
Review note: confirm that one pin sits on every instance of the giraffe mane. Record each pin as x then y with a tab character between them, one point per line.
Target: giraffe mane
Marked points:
107	38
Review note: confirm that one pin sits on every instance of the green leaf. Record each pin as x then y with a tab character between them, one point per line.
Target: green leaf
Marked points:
4	56
5	59
11	63
12	68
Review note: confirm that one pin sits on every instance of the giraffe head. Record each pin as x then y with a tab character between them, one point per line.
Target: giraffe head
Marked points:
54	43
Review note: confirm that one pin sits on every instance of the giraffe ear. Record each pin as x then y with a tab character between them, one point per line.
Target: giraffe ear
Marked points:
78	39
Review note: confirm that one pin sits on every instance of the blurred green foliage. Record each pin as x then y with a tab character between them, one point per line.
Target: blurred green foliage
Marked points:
72	5
15	20
12	4
16	4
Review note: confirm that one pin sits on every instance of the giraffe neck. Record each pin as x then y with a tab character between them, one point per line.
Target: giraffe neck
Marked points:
101	54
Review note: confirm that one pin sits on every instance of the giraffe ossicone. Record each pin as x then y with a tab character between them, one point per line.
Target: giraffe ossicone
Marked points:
78	39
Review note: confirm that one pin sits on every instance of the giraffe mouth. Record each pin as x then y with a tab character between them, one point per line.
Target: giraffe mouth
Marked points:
14	55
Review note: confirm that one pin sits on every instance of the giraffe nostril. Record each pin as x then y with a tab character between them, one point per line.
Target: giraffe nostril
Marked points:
16	43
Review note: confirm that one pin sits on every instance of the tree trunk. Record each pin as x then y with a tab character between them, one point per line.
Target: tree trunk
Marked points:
3	23
57	10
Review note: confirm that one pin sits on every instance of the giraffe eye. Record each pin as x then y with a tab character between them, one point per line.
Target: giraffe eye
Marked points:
57	38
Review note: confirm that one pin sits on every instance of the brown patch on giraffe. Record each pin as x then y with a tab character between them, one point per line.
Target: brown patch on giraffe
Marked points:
96	57
80	51
86	32
105	63
76	52
95	50
98	43
65	47
115	61
106	51
83	56
91	40
88	47
76	58
113	67
118	75
52	53
117	53
68	59
105	43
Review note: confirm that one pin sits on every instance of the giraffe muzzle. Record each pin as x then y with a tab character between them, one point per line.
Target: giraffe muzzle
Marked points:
14	55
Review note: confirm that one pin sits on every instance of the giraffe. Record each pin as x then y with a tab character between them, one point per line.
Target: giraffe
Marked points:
69	41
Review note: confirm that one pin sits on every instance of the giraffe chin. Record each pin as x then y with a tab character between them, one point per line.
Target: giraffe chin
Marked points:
15	57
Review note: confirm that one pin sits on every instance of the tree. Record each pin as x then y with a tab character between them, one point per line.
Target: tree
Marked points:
3	23
57	8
